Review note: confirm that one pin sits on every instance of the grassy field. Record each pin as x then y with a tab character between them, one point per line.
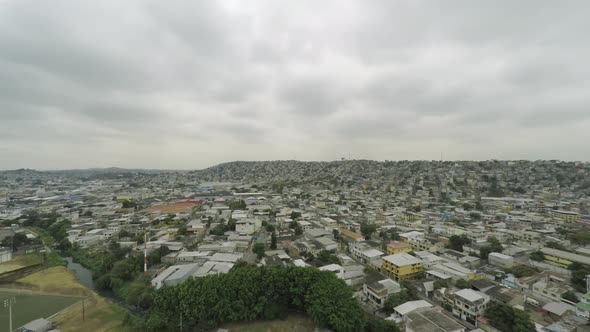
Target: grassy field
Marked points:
100	315
293	323
57	280
20	262
29	307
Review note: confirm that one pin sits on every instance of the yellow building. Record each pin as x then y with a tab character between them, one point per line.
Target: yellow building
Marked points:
563	258
396	247
401	266
120	198
412	216
566	216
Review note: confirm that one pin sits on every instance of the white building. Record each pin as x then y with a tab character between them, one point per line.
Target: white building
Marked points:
469	305
500	260
245	226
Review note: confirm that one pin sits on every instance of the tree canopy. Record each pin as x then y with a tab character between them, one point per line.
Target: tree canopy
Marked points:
508	319
368	229
252	293
457	242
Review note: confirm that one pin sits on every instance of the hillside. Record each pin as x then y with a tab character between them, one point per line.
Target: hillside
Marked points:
511	175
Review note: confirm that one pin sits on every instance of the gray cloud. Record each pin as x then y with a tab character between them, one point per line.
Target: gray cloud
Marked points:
115	83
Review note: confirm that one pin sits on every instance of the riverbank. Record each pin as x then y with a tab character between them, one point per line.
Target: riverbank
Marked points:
94	313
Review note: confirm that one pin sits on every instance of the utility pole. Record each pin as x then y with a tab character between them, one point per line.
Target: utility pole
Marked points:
83	311
9	302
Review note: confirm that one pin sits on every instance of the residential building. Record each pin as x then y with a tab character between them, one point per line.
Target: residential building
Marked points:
583	308
432	321
377	288
350	236
245	226
551	289
5	255
401	266
565	216
469	305
500	260
563	258
403	310
396	247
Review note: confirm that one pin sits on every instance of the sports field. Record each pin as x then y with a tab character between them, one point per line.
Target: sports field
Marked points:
29	307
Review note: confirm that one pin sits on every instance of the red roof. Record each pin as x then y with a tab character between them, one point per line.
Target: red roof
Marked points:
192	201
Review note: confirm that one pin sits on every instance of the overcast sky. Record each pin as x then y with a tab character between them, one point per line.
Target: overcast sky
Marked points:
188	84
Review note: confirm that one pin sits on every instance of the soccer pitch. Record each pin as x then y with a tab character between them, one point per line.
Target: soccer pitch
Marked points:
30	306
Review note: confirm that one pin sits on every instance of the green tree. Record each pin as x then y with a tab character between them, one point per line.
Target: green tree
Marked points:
298	230
580	238
368	229
478	206
467	206
381	325
579	273
537	256
295	215
237	205
254	293
258	249
523	271
440	283
462	284
457	242
182	230
218	230
555	245
336	234
326	257
508	319
273	241
570	296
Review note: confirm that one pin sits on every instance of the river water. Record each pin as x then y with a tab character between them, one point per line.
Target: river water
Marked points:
83	273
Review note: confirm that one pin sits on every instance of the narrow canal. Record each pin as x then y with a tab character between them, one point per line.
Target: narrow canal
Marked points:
84	274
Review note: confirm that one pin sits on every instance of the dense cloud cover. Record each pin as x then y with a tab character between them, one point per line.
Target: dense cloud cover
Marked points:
187	84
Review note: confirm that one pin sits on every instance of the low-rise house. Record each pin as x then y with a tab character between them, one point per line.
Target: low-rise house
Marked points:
87	240
316	233
370	255
431	320
460	257
377	288
500	260
350	236
551	289
396	247
193	256
456	271
325	243
403	310
305	225
556	310
245	226
583	307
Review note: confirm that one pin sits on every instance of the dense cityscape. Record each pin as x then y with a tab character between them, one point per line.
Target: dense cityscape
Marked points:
347	245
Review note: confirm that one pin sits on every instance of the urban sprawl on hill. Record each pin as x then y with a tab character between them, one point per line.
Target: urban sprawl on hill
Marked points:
350	245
